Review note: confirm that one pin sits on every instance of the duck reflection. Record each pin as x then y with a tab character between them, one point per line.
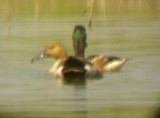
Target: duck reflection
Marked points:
80	101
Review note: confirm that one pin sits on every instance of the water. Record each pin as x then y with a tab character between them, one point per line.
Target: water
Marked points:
27	90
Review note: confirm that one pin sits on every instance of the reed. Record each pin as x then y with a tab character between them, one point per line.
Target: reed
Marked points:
9	25
90	5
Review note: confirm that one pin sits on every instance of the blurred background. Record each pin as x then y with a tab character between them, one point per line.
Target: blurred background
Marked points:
124	28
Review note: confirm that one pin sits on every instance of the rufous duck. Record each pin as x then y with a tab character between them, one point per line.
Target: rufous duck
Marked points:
67	66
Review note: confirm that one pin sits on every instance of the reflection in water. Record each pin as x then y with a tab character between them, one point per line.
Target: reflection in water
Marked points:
73	100
80	100
74	80
9	25
157	112
78	106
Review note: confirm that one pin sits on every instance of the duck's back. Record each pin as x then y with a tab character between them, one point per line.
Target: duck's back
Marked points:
73	69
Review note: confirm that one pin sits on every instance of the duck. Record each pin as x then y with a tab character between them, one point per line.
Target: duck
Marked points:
104	63
65	66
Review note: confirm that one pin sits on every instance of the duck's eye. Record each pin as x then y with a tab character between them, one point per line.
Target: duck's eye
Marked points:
51	47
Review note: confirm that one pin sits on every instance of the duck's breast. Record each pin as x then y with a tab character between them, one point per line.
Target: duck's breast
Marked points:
58	73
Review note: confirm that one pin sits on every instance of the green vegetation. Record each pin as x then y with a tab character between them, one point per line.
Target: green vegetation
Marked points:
50	8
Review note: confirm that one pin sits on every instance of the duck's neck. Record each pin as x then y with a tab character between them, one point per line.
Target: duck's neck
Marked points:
79	41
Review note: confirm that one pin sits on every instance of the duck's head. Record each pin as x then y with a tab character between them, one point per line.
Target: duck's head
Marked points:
55	50
79	40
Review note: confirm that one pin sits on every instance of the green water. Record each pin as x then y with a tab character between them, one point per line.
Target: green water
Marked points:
125	28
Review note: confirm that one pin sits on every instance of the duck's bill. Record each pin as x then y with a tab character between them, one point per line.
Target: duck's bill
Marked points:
41	56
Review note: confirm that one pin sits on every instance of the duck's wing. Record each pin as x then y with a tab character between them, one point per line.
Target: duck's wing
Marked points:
91	57
105	58
98	60
107	63
80	68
